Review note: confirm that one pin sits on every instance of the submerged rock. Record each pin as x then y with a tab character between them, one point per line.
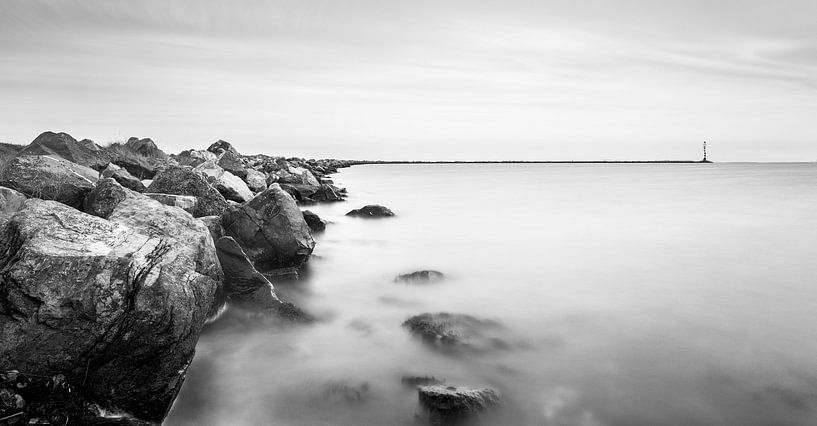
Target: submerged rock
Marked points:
345	392
447	404
271	229
315	223
372	210
115	303
457	332
182	180
420	277
414	381
49	178
124	178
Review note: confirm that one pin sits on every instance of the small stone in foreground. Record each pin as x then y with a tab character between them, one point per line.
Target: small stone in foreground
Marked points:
446	403
372	210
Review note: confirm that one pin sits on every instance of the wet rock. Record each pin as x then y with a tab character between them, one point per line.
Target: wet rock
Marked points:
187	203
228	184
420	277
447	404
327	193
256	181
114	302
49	178
123	177
62	145
182	180
315	223
344	392
457	332
372	210
247	288
271	229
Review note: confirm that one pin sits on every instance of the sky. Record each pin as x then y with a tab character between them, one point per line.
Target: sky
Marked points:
419	79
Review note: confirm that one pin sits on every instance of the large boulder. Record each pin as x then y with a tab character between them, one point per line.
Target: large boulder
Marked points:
145	147
271	230
182	180
247	288
371	211
256	181
141	166
221	146
327	193
114	304
233	164
85	152
228	184
124	178
49	178
453	404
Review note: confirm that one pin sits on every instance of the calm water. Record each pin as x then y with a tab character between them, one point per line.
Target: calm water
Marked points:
631	295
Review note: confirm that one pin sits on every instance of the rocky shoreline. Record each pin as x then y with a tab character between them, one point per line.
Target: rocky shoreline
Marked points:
114	258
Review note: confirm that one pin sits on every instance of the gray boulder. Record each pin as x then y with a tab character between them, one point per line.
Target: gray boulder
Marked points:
450	404
457	333
193	157
220	147
187	203
145	147
327	193
271	230
233	164
85	153
371	211
10	200
256	181
49	178
181	180
228	184
124	178
116	303
420	277
315	223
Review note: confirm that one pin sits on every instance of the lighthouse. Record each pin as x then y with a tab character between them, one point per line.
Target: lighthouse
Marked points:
704	160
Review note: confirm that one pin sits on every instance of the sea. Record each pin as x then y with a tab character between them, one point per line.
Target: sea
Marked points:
617	294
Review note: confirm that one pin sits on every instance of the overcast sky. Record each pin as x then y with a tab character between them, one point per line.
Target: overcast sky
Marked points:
419	79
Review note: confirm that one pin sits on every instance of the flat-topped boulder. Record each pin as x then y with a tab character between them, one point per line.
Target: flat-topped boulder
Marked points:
122	176
115	303
371	211
228	184
183	180
455	333
450	404
49	178
271	229
85	153
420	277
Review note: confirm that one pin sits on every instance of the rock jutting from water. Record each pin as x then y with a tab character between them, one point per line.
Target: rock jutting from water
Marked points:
450	404
371	211
456	333
420	277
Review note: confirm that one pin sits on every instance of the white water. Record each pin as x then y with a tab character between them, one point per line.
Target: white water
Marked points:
671	294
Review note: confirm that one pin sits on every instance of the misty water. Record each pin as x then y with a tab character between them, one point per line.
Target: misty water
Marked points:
673	294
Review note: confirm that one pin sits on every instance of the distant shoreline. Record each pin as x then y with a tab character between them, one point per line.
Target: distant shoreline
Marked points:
364	162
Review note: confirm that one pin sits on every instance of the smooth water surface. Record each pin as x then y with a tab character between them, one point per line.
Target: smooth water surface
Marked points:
672	294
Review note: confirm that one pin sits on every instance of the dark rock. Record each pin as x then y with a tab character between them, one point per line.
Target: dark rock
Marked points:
145	147
182	180
271	229
457	332
420	277
140	166
247	288
220	146
447	404
228	184
327	193
116	304
123	177
315	223
232	163
85	153
372	210
187	203
298	191
414	381
49	178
